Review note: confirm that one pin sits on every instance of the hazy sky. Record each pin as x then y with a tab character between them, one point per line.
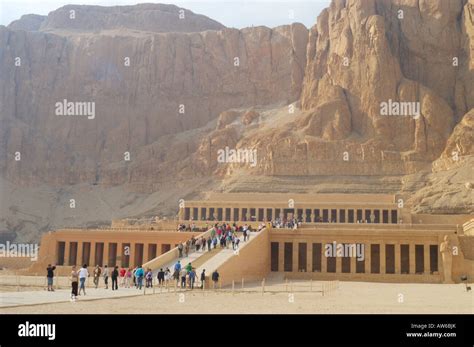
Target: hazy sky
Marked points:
231	13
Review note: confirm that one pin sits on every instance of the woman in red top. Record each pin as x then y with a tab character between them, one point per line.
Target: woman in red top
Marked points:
122	276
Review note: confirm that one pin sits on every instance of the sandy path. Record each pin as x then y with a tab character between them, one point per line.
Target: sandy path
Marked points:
351	297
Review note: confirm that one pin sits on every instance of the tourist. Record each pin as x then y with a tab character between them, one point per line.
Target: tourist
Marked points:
97	272
203	243
203	278
50	275
177	266
176	275
209	244
74	282
183	274
167	277
115	275
106	276
186	248
161	277
139	274
83	274
134	279
192	278
235	245
128	276
149	279
215	278
180	250
122	273
189	267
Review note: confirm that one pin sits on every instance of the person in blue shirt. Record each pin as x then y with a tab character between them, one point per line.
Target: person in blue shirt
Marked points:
139	275
177	266
192	278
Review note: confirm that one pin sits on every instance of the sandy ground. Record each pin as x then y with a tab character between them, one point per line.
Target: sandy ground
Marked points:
350	297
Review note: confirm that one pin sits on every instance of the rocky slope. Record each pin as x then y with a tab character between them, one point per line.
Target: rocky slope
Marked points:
173	92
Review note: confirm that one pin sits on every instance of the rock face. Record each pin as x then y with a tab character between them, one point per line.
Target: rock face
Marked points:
143	17
376	90
381	94
145	86
27	22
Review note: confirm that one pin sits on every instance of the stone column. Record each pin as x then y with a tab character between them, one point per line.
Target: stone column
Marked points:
118	255
426	258
281	256
346	215
382	258
324	259
354	262
106	253
338	264
132	255
295	255
412	258
92	259
80	249
368	266
397	259
67	247
309	256
337	215
199	213
389	216
145	252
265	216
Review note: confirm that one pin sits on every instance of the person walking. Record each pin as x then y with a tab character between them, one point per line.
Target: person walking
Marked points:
128	276
209	243
186	248
180	250
83	274
203	278
139	274
177	266
161	277
192	278
74	283
189	267
115	275
106	276
50	276
215	278
167	276
97	272
134	277
149	279
183	274
122	273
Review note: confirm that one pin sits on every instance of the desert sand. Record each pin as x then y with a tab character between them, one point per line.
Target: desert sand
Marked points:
349	297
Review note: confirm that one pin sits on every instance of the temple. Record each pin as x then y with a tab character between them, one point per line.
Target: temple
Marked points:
393	244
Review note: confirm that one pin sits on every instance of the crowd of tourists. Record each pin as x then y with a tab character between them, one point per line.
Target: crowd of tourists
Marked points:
221	235
185	277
